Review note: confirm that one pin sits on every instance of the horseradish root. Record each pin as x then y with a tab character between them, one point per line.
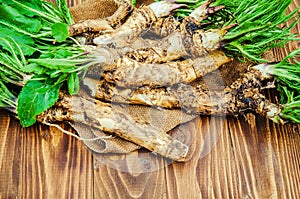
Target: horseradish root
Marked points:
105	117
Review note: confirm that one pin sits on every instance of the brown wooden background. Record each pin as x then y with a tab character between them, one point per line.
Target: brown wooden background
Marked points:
252	158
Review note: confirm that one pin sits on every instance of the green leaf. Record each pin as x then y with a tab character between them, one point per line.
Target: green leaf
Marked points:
57	53
26	43
62	53
56	64
32	8
35	98
73	83
60	31
47	55
61	78
33	68
13	15
22	7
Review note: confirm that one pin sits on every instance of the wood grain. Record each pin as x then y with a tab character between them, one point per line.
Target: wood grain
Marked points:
54	165
10	139
39	162
229	158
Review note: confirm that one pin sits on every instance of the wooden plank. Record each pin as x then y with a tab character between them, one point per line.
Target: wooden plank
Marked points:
260	166
54	165
9	156
132	182
211	171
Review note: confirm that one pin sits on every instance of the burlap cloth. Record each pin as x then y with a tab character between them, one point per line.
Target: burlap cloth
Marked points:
165	120
93	9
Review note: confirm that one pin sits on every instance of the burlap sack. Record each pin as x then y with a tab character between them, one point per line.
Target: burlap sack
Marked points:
93	9
164	120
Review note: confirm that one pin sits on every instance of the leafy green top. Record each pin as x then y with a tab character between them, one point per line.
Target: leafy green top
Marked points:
37	54
256	25
258	28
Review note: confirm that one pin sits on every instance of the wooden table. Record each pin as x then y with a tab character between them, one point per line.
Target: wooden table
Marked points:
252	158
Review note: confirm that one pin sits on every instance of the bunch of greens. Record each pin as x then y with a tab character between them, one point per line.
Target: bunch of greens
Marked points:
287	73
287	76
30	22
37	55
290	109
41	80
256	25
258	28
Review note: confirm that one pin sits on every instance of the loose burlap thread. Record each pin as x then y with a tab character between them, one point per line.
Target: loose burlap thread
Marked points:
164	120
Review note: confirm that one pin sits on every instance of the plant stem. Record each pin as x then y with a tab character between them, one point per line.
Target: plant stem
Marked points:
231	36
